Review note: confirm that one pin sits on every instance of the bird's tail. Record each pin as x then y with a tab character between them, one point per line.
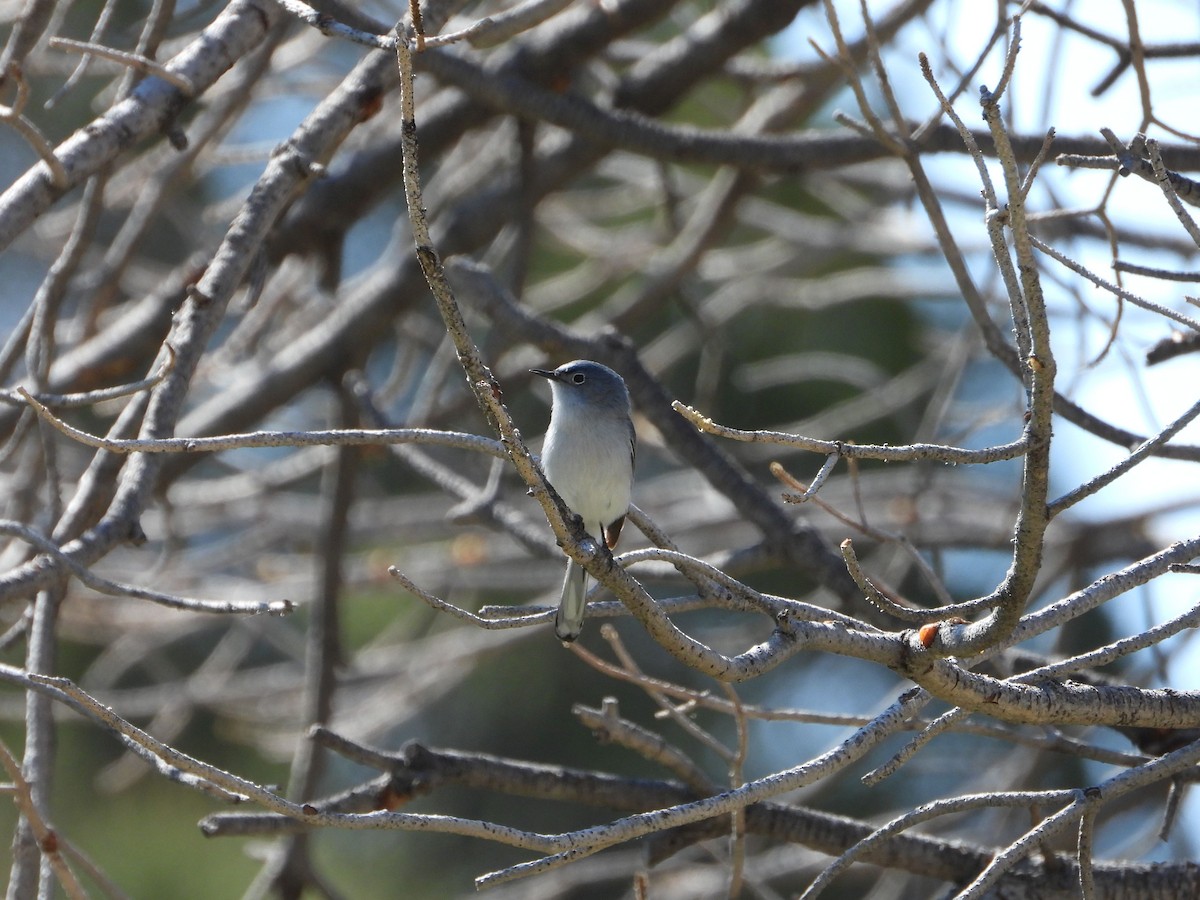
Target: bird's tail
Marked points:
568	622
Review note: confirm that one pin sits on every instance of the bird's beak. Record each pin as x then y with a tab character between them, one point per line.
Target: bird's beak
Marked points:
545	373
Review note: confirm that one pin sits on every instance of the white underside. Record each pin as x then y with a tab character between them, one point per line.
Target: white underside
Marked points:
593	477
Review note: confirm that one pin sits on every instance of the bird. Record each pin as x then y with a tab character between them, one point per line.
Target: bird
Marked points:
588	458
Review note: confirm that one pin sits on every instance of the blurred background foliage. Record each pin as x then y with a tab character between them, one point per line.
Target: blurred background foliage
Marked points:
819	304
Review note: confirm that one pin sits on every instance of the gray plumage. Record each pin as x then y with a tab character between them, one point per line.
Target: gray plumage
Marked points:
588	457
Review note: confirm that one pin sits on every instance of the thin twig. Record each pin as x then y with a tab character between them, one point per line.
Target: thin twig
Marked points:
1121	265
132	60
879	534
116	588
679	715
100	395
737	837
535	616
340	437
327	25
1138	455
1163	177
1010	58
848	450
815	485
492	30
1084	851
1113	289
928	811
608	724
593	840
46	838
33	136
1031	172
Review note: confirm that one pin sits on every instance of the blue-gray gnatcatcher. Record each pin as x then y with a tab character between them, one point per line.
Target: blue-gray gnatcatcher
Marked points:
588	457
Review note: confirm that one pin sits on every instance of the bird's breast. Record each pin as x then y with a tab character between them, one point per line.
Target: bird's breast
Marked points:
591	468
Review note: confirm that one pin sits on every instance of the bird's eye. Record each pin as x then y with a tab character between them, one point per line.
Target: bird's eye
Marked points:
578	378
